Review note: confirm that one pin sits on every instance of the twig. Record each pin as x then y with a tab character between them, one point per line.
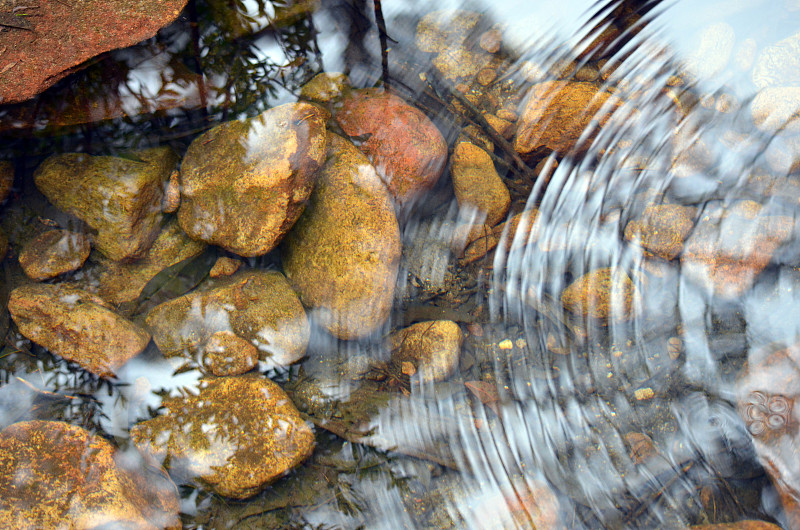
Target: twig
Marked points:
384	45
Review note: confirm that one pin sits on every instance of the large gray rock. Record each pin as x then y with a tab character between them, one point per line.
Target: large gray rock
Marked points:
236	436
343	254
118	197
76	325
245	183
257	306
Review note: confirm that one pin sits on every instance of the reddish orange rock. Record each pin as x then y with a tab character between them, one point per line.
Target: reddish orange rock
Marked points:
728	249
557	113
407	150
57	475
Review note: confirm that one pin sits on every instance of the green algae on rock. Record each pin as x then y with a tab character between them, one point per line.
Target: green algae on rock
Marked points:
434	347
258	306
408	151
57	475
54	252
343	254
76	325
245	183
236	436
606	294
118	197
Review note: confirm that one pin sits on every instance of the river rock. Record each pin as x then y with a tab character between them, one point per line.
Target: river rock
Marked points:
236	436
343	254
779	64
523	222
57	475
730	247
57	39
767	395
606	294
408	151
76	325
325	87
477	184
440	30
118	197
556	113
661	229
228	354
224	266
54	252
777	108
245	183
434	347
257	306
118	282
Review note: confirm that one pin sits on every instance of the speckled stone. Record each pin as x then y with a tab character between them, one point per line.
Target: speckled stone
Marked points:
343	254
57	475
258	306
607	294
118	197
557	113
408	151
224	266
661	229
434	347
76	325
245	183
236	436
54	252
477	184
228	354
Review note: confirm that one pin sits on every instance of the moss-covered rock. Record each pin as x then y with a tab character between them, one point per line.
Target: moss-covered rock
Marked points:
477	184
245	183
434	347
76	325
343	254
257	306
57	475
54	252
236	436
118	197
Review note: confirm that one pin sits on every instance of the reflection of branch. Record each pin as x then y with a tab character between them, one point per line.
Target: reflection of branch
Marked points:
384	45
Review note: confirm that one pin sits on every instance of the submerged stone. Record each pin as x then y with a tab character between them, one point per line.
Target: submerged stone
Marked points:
228	354
236	436
607	294
440	30
556	114
434	347
245	183
224	266
118	197
77	326
57	475
325	87
118	283
729	248
54	252
477	184
257	306
661	229
343	254
408	151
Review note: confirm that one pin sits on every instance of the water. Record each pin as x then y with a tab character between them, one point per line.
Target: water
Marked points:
653	416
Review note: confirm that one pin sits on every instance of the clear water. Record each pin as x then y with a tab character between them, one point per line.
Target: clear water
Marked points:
552	420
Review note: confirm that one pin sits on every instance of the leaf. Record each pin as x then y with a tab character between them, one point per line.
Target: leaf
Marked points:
486	392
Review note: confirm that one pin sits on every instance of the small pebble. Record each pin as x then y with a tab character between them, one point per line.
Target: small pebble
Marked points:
505	345
644	393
